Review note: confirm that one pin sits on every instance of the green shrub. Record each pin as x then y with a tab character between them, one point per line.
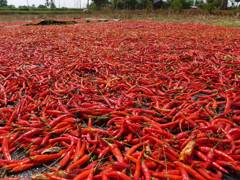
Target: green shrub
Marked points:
176	5
211	5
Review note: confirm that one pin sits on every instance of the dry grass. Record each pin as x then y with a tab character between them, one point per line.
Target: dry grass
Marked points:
162	16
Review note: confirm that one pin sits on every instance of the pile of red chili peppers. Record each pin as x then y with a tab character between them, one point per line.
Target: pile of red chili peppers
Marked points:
120	100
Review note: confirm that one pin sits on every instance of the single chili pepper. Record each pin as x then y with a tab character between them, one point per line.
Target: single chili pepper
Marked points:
79	162
45	139
104	177
59	139
119	166
91	175
122	130
150	164
66	158
228	105
52	176
104	152
12	117
203	157
54	112
117	175
61	130
5	149
60	125
166	175
83	175
116	152
190	170
29	133
132	150
145	171
79	151
58	119
160	131
23	167
137	172
184	174
218	153
205	173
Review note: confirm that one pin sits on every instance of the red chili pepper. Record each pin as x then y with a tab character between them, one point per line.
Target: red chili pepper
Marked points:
83	175
117	175
184	174
58	119
5	149
137	172
206	174
104	152
190	170
218	153
132	150
23	167
45	158
66	159
78	163
146	172
80	151
104	177
165	175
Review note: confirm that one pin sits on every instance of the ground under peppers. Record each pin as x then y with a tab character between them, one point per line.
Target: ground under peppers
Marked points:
120	100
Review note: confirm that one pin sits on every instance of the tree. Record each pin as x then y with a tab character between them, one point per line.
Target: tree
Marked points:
50	4
47	3
100	3
42	6
224	4
3	3
23	7
11	6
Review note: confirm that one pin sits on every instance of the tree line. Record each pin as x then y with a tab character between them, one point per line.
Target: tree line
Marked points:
48	4
141	4
173	4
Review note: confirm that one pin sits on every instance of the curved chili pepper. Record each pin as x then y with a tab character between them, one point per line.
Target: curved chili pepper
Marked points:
118	174
83	175
190	170
5	149
79	162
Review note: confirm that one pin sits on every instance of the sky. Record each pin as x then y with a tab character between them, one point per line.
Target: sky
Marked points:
61	3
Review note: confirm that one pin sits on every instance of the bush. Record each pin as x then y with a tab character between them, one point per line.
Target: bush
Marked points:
164	5
211	5
187	4
126	4
98	4
132	4
178	5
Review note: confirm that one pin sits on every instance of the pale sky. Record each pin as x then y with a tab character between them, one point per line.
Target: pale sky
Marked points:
61	3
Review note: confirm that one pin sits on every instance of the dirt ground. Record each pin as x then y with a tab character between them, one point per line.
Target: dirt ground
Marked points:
229	21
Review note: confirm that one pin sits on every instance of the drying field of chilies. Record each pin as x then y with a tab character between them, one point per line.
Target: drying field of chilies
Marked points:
138	100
